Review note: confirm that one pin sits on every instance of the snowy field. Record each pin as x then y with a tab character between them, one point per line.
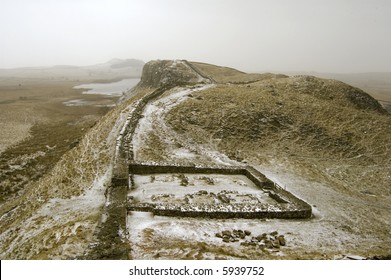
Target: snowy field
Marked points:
180	188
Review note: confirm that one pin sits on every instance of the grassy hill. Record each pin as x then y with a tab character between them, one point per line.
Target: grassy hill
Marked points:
325	141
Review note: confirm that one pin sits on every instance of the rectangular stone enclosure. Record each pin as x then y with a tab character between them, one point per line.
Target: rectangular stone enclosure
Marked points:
210	192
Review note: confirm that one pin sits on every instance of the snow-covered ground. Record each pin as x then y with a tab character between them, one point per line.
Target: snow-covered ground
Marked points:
169	237
63	223
148	187
330	233
176	146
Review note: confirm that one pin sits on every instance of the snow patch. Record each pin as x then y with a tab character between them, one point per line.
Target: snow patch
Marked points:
77	103
153	122
61	218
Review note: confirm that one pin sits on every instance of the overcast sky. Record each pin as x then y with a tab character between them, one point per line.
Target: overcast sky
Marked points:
251	35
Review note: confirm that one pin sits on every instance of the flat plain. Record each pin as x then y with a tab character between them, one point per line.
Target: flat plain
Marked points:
39	121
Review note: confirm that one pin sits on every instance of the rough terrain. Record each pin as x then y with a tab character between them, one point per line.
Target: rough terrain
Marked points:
324	141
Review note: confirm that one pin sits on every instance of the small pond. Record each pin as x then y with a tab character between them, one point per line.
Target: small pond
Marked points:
112	89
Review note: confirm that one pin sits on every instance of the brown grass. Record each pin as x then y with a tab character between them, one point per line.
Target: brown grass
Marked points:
229	75
38	129
332	136
325	133
68	177
275	116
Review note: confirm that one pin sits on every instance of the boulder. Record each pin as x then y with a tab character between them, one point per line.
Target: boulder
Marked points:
276	244
261	237
268	244
226	239
282	240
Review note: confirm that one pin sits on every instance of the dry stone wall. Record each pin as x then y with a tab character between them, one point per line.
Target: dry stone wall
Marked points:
164	75
288	205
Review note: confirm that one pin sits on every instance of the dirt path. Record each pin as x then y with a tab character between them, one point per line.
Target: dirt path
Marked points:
174	147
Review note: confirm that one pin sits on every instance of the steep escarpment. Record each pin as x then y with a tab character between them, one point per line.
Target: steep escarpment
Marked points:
167	72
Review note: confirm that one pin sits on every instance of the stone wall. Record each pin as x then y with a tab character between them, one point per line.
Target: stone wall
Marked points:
290	207
164	75
216	212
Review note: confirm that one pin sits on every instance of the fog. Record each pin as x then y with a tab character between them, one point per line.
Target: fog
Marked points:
251	35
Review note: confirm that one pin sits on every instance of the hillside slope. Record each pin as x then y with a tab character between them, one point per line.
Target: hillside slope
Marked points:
324	141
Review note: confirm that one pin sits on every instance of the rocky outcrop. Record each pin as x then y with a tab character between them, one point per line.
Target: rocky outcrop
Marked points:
160	73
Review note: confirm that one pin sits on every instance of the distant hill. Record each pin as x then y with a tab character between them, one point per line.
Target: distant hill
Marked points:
127	63
111	69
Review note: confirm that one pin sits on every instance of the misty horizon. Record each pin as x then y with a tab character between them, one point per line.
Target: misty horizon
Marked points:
252	36
293	72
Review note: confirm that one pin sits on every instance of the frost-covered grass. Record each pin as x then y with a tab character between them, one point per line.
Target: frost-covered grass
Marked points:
57	216
311	140
324	141
155	141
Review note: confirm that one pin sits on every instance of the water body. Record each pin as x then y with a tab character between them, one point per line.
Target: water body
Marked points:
112	89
